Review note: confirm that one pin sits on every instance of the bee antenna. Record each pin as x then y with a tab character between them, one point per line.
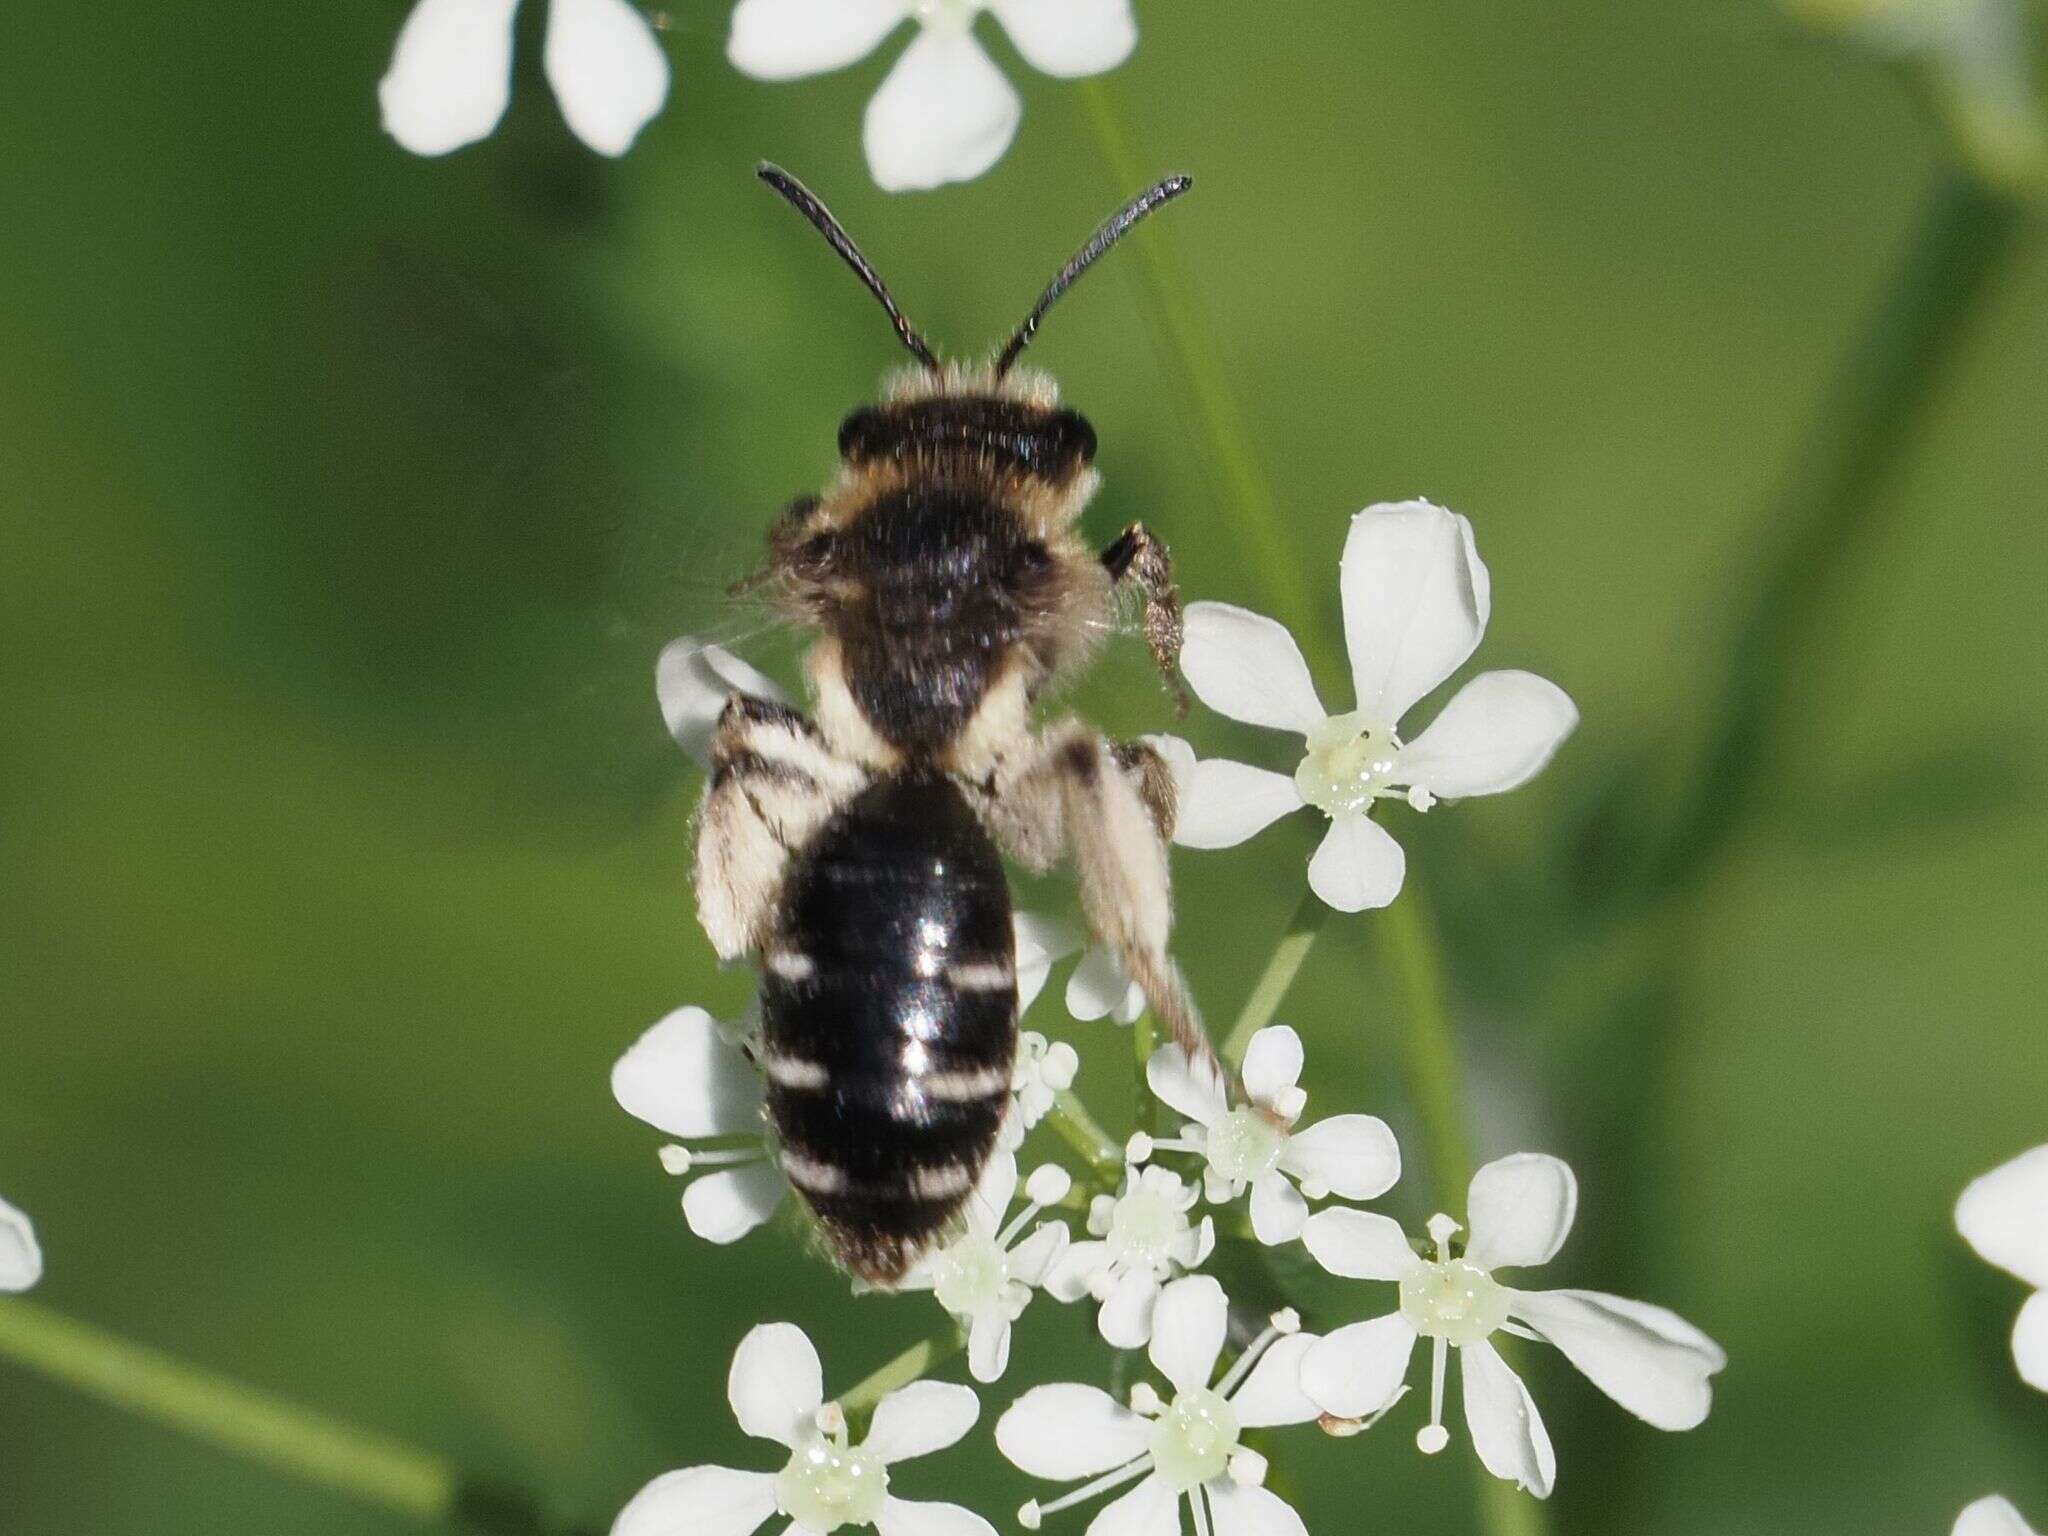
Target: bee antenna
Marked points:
1098	244
805	202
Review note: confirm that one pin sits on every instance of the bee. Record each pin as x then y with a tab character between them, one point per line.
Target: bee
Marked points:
858	853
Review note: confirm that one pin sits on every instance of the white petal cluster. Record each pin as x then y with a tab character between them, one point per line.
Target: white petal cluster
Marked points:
1184	1447
1098	987
1139	1239
777	1393
945	113
985	1276
1416	601
690	1076
1991	1517
451	72
2004	1216
1256	1146
21	1260
1519	1210
1045	1069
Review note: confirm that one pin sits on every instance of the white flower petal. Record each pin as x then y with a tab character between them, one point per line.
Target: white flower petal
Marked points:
21	1260
1069	38
681	1077
1507	1431
693	681
1357	866
1497	733
1196	1091
988	1346
1247	666
1032	1260
916	1517
1520	1210
1359	1245
1188	1328
1991	1517
1354	1156
1416	598
924	1417
450	74
607	69
1272	1394
1125	1319
699	1501
1251	1511
2004	1216
2030	1341
1358	1370
788	39
1041	942
1071	1272
1278	1211
776	1383
1223	803
991	1196
726	1204
945	113
1150	1509
1272	1063
1651	1361
1100	989
1068	1431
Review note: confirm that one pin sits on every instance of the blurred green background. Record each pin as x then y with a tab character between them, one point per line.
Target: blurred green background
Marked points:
348	498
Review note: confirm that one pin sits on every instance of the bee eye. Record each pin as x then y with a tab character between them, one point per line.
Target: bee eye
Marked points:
1033	559
815	554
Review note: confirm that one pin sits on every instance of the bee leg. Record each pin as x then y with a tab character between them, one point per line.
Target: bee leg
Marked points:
1110	808
1136	556
773	784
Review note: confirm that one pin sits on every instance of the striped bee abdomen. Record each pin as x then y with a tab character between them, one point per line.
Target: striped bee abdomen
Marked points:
889	1018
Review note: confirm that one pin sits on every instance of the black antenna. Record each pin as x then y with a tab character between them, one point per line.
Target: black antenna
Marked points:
1086	257
801	198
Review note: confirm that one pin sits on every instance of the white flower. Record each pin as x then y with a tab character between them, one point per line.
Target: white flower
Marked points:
1140	1239
1652	1362
451	73
1991	1517
2004	1216
1416	600
1186	1447
777	1392
21	1261
692	682
1098	987
945	113
1255	1146
1044	1071
690	1076
984	1277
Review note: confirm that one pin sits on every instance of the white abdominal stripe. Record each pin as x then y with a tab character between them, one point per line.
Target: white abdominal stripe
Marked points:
940	1181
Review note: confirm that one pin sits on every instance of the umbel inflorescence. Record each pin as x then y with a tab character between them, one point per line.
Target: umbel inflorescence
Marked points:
1236	1154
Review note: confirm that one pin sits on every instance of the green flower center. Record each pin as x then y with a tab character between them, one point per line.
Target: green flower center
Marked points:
1454	1300
827	1485
969	1275
1351	762
1193	1439
1245	1146
946	15
1143	1225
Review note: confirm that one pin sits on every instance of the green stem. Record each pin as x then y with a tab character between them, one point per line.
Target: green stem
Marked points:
1432	1050
1281	969
1144	1041
914	1363
1070	1117
234	1417
1827	504
1183	318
